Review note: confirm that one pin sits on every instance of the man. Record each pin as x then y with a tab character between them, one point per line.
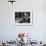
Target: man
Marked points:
26	17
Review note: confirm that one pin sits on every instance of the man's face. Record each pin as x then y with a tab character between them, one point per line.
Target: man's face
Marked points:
26	16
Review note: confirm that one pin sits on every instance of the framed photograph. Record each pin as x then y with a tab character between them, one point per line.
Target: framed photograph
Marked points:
23	18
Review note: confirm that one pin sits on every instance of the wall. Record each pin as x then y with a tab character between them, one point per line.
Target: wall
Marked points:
9	31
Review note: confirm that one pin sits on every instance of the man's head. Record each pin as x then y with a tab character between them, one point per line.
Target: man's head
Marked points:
26	15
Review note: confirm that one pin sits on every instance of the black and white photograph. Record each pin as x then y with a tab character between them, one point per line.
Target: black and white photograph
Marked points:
23	18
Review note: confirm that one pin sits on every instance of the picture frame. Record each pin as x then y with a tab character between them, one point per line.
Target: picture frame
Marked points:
18	16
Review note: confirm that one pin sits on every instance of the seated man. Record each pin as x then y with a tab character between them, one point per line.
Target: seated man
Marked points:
26	17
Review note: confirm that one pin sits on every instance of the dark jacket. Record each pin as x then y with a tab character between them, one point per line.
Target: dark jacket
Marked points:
25	21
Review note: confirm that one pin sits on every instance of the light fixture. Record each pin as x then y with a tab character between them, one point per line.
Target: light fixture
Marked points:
12	1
